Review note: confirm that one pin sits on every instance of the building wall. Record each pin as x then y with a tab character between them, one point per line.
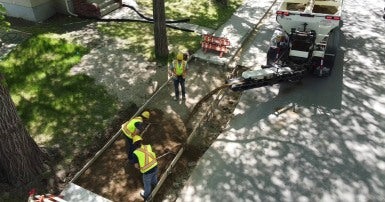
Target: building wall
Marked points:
33	10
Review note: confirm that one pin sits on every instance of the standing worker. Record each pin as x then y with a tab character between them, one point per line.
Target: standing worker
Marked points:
133	128
145	161
178	70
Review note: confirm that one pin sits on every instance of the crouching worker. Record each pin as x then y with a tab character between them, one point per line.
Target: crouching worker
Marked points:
145	161
132	128
279	45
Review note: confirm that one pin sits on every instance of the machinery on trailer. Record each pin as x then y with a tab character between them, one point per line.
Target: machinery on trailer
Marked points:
305	42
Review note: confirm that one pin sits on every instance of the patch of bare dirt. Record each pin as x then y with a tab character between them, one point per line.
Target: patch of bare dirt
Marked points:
213	123
114	178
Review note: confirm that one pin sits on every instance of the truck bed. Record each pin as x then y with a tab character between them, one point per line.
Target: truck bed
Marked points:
330	7
322	16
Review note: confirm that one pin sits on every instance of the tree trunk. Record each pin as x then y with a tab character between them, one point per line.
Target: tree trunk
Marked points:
160	33
21	160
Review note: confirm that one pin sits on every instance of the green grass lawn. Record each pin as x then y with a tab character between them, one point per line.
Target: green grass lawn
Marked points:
206	13
141	39
201	12
56	107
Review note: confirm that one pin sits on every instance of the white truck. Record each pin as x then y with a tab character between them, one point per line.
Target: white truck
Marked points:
305	41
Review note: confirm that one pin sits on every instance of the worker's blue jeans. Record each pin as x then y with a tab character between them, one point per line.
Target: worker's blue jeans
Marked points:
150	180
179	80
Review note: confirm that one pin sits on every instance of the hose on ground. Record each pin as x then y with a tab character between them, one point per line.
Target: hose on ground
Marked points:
151	19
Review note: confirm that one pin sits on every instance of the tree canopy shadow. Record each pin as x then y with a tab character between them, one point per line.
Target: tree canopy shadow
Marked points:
327	146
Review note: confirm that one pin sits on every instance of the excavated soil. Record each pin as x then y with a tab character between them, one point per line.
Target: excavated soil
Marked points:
325	9
114	178
220	112
316	8
296	6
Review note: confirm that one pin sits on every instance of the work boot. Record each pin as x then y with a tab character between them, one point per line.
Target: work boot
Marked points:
142	195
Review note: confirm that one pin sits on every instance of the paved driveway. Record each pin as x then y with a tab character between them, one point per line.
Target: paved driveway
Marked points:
320	140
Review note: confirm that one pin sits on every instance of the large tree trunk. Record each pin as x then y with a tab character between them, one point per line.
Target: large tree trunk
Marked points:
21	160
160	33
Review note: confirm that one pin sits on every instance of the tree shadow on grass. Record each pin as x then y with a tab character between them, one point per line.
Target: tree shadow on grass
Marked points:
139	37
60	110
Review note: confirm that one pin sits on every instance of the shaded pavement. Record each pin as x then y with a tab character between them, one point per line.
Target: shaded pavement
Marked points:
327	145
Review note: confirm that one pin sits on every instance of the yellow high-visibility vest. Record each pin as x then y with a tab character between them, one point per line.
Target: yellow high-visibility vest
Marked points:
179	68
146	158
128	128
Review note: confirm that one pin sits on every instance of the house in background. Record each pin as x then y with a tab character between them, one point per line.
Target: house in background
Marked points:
40	10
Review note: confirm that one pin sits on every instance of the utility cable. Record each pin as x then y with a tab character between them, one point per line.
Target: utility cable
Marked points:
151	19
133	20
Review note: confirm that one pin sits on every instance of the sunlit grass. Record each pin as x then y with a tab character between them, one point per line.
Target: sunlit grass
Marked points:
56	107
140	38
207	13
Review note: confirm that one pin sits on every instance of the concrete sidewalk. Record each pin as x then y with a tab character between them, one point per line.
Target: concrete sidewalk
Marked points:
215	177
236	29
73	192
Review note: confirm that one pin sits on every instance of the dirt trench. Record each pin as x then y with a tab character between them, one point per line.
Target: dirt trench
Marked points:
219	113
112	177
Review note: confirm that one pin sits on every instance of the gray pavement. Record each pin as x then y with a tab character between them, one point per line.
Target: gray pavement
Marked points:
320	140
75	193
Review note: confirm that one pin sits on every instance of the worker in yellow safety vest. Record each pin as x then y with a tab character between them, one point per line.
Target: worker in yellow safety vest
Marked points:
178	70
145	161
132	128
